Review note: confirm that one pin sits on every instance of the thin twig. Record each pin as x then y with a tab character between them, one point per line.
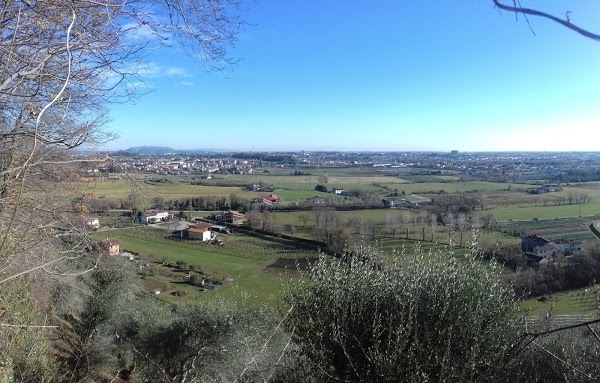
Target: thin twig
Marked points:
563	361
25	326
538	334
535	12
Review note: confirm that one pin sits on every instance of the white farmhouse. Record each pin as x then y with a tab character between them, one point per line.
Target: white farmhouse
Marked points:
151	216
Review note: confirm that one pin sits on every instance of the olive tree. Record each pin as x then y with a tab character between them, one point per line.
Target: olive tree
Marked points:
418	317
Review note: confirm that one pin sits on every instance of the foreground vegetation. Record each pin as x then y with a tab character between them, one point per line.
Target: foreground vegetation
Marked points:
418	316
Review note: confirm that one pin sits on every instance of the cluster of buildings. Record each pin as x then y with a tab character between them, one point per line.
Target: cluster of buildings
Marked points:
543	249
178	165
409	202
153	216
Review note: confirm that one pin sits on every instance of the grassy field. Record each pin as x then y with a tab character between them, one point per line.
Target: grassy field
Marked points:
430	178
314	179
400	245
527	207
329	186
117	189
457	187
242	259
243	264
567	228
581	301
299	195
542	212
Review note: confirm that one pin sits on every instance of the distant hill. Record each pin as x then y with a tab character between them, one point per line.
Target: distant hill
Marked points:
150	150
166	149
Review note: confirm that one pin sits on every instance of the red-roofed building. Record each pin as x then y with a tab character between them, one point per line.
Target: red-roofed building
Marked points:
271	197
112	246
230	216
265	202
200	231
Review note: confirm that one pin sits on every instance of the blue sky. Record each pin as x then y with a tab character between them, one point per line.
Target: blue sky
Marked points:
380	76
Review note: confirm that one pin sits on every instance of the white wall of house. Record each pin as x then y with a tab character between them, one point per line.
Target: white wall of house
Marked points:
562	247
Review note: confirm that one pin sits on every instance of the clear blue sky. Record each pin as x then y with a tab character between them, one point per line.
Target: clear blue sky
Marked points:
385	75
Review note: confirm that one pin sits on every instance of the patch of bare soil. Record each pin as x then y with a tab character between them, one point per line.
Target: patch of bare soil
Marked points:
289	265
151	286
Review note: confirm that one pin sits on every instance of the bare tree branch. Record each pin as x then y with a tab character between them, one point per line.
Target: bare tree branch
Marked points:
534	12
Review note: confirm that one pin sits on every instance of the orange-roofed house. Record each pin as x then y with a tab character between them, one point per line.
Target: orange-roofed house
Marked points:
111	245
200	231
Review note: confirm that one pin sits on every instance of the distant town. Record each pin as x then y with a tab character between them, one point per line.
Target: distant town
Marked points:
551	167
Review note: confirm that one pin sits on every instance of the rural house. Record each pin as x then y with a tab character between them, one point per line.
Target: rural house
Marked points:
151	216
230	216
112	246
316	200
200	231
391	202
529	242
274	198
417	200
542	248
265	203
93	223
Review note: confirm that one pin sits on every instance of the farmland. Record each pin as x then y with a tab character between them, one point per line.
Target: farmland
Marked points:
118	189
251	268
241	262
573	229
252	265
580	301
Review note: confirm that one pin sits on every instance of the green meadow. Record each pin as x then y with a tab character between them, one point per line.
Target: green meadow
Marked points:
580	301
516	212
458	187
242	261
169	190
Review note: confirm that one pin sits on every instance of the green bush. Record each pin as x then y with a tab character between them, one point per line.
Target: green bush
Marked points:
200	342
421	318
25	351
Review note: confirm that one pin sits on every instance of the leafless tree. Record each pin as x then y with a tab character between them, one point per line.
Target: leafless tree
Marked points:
62	62
405	218
303	218
356	224
450	225
254	219
372	228
328	221
423	215
391	224
433	223
461	225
